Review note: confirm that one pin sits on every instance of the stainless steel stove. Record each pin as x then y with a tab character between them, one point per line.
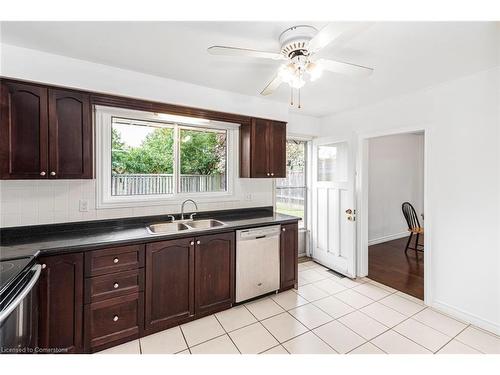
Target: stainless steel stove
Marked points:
18	305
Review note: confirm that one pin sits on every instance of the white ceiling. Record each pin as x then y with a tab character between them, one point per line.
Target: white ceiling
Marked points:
405	55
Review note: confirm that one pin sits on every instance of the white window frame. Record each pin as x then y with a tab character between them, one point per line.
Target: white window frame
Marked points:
103	125
307	167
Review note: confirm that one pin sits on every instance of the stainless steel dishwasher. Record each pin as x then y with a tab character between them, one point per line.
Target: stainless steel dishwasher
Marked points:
257	261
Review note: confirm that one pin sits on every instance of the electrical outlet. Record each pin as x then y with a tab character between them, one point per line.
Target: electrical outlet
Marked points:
84	205
248	197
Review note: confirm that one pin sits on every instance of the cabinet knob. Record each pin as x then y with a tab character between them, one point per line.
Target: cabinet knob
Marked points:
268	174
272	174
191	243
198	242
44	266
116	260
115	318
115	285
283	229
52	173
42	173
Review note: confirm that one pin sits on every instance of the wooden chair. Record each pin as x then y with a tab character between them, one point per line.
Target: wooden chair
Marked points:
413	226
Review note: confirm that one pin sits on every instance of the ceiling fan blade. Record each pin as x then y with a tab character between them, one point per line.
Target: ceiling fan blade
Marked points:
336	31
271	86
345	68
233	51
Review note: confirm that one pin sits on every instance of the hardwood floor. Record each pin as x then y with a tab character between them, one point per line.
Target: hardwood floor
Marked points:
388	264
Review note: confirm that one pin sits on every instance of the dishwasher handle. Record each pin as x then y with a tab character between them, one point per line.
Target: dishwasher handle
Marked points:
19	298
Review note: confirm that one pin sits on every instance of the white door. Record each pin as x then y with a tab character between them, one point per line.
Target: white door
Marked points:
333	211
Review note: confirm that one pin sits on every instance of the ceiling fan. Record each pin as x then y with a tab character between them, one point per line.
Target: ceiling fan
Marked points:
299	45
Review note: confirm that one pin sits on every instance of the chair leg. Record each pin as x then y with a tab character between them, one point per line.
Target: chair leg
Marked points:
416	246
408	243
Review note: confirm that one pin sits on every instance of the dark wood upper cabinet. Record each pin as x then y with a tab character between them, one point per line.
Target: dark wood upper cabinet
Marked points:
61	303
70	134
23	131
289	252
169	297
277	148
263	149
44	132
214	272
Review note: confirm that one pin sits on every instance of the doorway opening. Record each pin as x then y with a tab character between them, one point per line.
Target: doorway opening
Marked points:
395	211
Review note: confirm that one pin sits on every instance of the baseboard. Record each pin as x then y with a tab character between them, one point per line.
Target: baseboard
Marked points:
390	237
467	317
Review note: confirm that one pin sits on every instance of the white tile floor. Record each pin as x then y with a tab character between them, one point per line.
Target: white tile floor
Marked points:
327	315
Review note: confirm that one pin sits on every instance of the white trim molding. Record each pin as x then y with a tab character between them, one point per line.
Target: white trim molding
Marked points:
103	122
466	317
389	237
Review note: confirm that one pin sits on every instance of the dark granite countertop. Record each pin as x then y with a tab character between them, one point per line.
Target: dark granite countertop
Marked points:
37	240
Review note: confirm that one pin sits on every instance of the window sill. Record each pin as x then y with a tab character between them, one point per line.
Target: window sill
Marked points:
156	201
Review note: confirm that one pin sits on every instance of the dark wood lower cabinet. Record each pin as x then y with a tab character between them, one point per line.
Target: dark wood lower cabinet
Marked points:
214	272
289	252
113	321
122	294
61	303
169	283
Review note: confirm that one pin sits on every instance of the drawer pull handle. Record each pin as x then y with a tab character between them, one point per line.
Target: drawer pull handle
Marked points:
115	285
116	260
115	318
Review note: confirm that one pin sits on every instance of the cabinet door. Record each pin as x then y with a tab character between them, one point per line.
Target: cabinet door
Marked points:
289	252
169	283
23	131
277	149
259	148
70	134
61	303
214	272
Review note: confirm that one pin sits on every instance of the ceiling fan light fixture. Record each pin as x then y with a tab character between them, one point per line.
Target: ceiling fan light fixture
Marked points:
315	71
287	72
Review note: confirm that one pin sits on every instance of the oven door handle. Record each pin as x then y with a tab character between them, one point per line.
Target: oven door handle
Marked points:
13	305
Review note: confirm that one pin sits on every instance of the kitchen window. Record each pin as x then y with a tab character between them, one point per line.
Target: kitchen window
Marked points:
291	192
149	158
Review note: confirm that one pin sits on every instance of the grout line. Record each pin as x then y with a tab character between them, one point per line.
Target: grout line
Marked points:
227	333
451	339
184	337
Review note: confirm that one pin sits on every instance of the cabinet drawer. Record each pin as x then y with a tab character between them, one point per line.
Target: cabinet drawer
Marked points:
114	259
114	319
99	288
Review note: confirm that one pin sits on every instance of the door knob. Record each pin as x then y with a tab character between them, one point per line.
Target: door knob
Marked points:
348	211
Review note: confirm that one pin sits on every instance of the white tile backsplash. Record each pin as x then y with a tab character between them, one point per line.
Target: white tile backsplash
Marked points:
32	202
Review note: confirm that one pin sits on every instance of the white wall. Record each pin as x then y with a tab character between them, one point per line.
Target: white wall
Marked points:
461	119
45	202
395	175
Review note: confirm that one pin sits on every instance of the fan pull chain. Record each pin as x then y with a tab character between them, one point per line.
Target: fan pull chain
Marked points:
299	99
291	96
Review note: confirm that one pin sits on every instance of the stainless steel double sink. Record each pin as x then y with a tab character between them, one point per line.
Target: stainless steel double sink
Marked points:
173	227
